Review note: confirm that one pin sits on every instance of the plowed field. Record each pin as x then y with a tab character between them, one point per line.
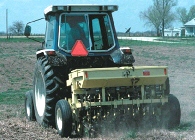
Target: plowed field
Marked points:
17	61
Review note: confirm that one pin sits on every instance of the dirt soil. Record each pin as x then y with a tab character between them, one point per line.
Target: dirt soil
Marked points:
17	65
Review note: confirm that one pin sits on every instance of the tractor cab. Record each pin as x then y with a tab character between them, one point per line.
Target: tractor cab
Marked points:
90	25
83	31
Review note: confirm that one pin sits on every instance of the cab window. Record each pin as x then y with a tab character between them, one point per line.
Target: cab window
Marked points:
49	38
94	30
73	28
101	34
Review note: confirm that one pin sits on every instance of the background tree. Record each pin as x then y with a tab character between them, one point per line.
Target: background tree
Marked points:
150	16
185	16
159	15
17	28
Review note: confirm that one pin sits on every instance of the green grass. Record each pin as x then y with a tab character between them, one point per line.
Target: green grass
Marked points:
11	97
192	114
184	127
130	135
138	43
21	39
188	41
172	42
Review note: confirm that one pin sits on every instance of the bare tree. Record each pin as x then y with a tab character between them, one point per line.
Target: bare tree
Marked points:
17	28
185	16
159	15
150	16
191	13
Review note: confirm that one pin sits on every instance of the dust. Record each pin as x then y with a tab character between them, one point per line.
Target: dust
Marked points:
126	127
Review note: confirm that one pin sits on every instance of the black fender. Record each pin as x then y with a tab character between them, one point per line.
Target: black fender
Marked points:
54	58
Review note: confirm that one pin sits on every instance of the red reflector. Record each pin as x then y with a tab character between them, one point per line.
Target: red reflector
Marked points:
146	73
86	75
165	71
51	53
79	49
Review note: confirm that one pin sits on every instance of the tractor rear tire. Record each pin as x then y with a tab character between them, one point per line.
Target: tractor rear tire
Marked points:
29	107
63	118
46	89
171	113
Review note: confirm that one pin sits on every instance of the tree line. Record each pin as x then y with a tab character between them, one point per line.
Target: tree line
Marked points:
17	28
160	15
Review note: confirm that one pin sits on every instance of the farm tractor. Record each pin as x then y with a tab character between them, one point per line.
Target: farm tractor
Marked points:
83	77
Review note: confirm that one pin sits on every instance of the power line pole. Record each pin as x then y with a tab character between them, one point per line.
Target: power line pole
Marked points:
7	22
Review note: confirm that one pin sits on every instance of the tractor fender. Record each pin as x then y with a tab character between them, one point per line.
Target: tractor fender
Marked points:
54	58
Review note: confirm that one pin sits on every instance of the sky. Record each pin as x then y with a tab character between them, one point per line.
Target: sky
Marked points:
126	16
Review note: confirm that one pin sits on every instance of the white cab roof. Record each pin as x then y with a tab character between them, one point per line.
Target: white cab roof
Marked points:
81	8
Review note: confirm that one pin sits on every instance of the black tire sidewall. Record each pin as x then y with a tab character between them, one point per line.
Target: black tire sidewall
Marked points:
38	69
175	112
29	102
171	113
66	111
46	83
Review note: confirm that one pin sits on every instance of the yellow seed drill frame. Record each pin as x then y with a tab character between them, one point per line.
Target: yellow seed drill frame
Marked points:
82	79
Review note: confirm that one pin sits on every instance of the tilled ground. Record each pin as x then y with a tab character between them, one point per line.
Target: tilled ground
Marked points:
17	66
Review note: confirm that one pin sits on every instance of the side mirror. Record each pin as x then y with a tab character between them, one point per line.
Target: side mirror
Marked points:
27	30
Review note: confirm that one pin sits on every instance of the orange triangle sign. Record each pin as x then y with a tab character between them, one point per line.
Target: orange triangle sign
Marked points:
79	49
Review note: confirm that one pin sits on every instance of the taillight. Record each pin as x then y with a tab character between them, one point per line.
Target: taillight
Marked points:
126	50
51	53
79	49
